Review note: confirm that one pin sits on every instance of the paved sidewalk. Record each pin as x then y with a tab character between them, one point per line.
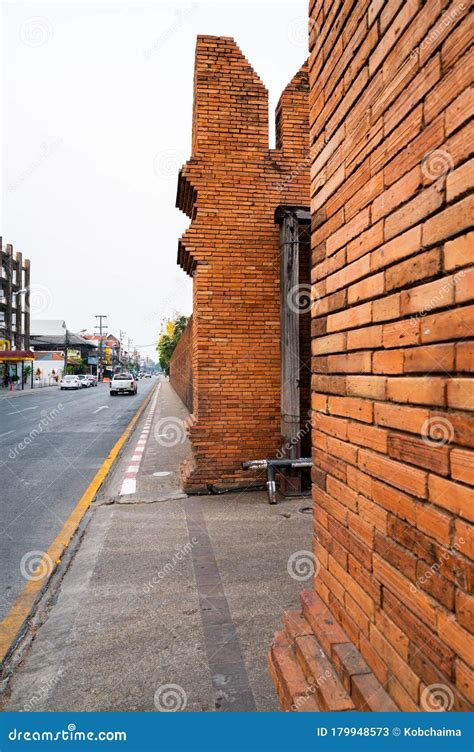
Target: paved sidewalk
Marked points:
5	393
167	604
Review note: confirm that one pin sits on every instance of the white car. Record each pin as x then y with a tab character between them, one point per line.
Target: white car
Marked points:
123	382
70	382
84	380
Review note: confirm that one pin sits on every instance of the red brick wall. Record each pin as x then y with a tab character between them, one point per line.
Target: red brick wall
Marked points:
181	372
392	388
230	188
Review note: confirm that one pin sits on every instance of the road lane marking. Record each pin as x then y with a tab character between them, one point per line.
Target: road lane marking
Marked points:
5	434
102	407
129	484
17	412
13	622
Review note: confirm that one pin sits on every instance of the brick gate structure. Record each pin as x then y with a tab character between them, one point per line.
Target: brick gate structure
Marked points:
388	622
230	189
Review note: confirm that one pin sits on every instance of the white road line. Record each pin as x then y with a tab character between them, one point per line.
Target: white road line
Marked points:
17	412
129	484
102	407
5	434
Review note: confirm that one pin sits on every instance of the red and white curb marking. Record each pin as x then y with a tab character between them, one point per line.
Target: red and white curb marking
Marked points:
129	485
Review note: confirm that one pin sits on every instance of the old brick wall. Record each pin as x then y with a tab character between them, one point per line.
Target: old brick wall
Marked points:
393	393
181	371
230	188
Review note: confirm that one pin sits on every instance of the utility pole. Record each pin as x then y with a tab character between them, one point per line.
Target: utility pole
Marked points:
122	335
66	343
100	327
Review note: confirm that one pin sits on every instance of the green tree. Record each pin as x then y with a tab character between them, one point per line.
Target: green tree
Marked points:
172	330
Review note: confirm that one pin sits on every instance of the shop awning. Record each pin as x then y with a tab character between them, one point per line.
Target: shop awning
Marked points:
15	356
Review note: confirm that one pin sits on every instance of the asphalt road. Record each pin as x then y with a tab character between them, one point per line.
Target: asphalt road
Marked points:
52	443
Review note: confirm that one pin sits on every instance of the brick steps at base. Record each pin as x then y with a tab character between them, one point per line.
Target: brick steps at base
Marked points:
315	667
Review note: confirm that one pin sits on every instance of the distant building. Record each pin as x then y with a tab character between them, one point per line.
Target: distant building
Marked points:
14	311
48	368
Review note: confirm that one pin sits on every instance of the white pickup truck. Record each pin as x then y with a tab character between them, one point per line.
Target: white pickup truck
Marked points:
123	382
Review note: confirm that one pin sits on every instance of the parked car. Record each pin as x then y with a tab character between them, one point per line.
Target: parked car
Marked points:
148	375
84	379
70	382
123	382
93	379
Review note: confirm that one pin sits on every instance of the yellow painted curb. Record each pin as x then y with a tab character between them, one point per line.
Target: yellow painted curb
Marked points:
12	623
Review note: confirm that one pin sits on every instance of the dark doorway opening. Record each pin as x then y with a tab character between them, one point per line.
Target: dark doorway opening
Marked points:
295	342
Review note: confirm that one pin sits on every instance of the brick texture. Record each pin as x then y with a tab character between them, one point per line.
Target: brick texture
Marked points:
181	369
390	98
230	188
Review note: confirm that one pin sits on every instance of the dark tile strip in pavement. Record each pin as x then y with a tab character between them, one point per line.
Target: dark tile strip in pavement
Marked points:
226	663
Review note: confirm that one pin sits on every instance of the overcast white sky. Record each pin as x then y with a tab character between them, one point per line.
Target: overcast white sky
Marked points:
96	121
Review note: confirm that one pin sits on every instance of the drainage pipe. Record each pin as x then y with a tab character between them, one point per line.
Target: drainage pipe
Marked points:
270	466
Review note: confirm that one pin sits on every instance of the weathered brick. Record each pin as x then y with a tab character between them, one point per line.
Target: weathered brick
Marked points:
460	180
464	356
364	337
461	393
429	359
413	270
456	637
372	387
452	496
388	361
445	224
448	325
426	298
433	522
368	436
422	605
396	249
406	478
420	207
397	194
459	252
418	452
462	465
417	390
351	407
401	333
